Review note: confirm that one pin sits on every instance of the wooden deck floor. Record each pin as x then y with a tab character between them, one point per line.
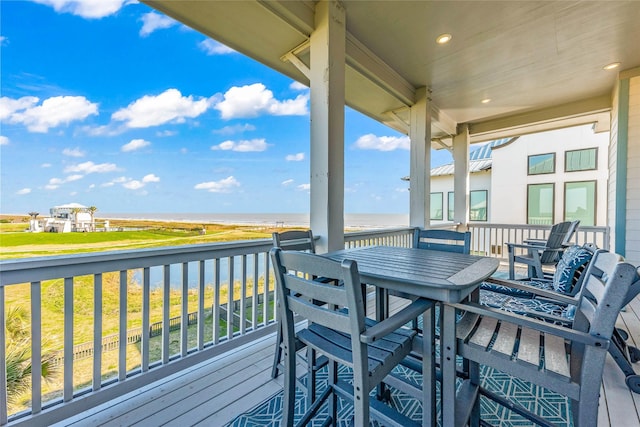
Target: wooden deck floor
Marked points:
216	391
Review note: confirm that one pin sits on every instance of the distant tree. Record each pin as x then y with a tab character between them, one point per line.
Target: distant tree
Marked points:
33	215
92	210
75	212
18	355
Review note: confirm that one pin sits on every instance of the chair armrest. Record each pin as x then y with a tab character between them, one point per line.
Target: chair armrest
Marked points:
552	295
538	325
527	246
401	318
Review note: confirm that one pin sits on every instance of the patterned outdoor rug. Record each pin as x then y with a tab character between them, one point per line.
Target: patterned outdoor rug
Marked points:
549	405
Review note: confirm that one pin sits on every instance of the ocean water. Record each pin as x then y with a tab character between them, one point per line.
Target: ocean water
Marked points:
268	219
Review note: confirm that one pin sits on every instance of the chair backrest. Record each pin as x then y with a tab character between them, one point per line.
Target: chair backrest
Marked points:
295	240
555	241
604	293
297	290
442	240
573	227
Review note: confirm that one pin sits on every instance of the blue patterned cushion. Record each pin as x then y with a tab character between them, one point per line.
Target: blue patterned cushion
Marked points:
530	307
540	284
571	265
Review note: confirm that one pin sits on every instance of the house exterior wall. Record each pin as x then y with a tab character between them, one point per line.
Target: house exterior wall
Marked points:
633	173
477	181
510	172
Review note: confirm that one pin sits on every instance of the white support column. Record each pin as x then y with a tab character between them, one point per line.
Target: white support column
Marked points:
327	125
420	159
461	176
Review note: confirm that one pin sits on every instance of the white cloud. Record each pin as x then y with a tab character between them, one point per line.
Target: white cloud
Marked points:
45	165
243	145
298	157
154	21
3	40
169	106
53	112
222	186
287	182
23	191
71	178
255	100
166	133
382	143
73	152
90	9
135	144
230	130
212	47
54	183
150	178
134	184
304	187
4	140
90	167
9	106
298	86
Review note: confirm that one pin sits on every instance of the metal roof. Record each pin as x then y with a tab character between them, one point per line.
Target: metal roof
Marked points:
474	166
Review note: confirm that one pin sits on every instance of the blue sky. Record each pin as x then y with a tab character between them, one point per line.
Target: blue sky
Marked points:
111	104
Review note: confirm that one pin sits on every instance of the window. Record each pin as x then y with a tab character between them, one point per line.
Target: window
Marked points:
581	160
542	163
540	204
478	205
450	206
436	206
580	202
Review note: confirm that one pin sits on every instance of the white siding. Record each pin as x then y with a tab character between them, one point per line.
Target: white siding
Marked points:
633	174
477	181
510	179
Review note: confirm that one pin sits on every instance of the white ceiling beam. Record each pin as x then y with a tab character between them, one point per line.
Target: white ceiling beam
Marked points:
297	14
592	110
443	122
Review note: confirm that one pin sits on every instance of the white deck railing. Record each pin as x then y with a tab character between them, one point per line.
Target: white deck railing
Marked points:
191	282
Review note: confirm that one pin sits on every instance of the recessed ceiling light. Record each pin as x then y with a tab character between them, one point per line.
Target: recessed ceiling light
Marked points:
611	66
444	38
486	100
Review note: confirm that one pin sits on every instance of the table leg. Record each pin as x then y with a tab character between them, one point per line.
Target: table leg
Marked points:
448	364
428	369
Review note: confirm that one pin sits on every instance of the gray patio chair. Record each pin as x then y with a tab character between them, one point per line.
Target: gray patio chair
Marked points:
568	361
345	336
537	253
442	240
296	240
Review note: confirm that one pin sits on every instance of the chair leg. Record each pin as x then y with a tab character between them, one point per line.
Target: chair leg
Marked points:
512	261
289	399
278	353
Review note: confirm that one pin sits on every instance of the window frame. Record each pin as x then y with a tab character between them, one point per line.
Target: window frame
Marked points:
595	200
553	201
441	205
538	155
451	206
566	160
486	205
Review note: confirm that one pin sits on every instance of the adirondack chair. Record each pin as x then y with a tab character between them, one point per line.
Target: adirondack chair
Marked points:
573	358
538	254
442	240
558	306
345	336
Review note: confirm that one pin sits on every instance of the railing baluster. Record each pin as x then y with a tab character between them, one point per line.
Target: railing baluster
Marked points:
122	330
97	331
3	361
184	327
166	306
243	297
201	290
254	294
146	313
68	339
230	302
36	347
216	301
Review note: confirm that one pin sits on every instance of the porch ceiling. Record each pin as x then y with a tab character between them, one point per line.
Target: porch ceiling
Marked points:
540	62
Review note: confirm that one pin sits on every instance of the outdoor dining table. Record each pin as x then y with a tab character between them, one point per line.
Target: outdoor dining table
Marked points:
444	277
